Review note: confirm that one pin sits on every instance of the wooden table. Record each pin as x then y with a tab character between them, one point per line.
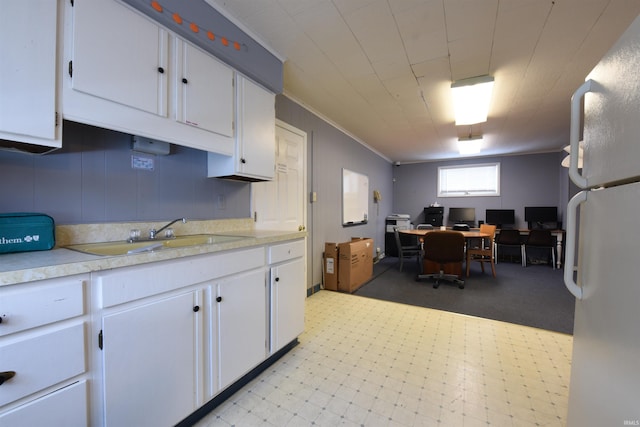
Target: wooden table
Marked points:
452	268
558	234
467	234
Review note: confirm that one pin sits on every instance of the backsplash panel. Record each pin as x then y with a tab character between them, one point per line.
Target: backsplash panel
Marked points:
91	180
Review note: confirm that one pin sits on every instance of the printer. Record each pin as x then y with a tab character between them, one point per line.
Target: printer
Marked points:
402	221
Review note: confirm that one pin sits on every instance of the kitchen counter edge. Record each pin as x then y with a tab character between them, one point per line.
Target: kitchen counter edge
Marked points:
26	267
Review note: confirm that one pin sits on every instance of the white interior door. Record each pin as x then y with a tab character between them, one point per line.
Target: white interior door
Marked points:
280	204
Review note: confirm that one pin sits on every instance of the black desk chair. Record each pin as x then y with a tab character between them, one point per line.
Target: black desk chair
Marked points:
539	239
444	254
508	239
413	250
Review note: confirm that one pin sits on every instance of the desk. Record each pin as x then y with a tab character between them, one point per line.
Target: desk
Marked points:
558	234
467	234
449	268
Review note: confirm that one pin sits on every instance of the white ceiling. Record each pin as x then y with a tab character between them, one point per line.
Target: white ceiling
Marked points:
381	70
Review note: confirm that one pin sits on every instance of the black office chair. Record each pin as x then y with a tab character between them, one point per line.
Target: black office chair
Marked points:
444	254
407	250
508	239
539	239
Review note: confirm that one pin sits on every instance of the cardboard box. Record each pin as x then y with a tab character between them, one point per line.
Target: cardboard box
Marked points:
355	266
331	266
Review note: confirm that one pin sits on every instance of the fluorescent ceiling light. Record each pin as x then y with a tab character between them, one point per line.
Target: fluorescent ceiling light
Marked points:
470	145
471	99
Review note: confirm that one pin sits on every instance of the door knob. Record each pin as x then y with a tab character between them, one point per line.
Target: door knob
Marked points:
219	299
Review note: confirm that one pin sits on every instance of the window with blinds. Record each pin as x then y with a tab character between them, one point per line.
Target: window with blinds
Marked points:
469	180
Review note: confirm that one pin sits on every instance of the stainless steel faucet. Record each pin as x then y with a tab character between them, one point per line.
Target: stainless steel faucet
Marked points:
153	232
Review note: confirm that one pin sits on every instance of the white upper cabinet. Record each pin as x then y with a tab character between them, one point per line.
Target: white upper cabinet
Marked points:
201	83
28	101
122	73
120	56
255	150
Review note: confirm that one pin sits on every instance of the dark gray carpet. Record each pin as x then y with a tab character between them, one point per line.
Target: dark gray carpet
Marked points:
532	296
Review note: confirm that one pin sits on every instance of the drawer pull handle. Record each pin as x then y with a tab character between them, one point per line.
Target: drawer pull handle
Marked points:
196	308
219	299
277	279
7	375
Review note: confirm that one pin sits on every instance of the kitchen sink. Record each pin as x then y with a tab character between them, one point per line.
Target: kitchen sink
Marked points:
125	248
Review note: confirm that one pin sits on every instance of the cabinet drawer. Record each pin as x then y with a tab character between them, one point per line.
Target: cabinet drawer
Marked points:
27	306
285	251
64	407
42	361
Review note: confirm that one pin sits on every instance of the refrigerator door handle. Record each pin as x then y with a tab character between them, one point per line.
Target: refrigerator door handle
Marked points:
574	134
570	248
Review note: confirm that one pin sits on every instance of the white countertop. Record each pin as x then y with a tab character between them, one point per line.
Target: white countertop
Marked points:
30	266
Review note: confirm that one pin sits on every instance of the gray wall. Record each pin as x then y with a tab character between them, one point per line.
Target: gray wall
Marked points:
91	180
330	150
528	180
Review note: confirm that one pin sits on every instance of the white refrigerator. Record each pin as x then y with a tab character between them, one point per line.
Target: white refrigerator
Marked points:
602	267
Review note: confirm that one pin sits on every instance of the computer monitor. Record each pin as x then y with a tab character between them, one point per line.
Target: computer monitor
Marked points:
462	215
538	216
500	217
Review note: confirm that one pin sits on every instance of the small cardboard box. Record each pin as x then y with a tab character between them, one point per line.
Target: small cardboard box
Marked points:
355	265
331	266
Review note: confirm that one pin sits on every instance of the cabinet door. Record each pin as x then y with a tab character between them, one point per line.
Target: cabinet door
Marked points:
150	362
242	325
119	55
204	91
288	292
257	129
28	72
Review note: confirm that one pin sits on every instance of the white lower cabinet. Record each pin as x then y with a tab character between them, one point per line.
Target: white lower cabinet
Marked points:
175	334
287	293
150	362
287	303
242	320
145	345
43	357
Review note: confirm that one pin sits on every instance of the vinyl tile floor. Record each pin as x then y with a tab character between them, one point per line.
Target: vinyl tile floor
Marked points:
366	362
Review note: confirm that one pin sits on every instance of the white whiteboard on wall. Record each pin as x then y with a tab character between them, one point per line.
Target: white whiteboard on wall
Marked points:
355	198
